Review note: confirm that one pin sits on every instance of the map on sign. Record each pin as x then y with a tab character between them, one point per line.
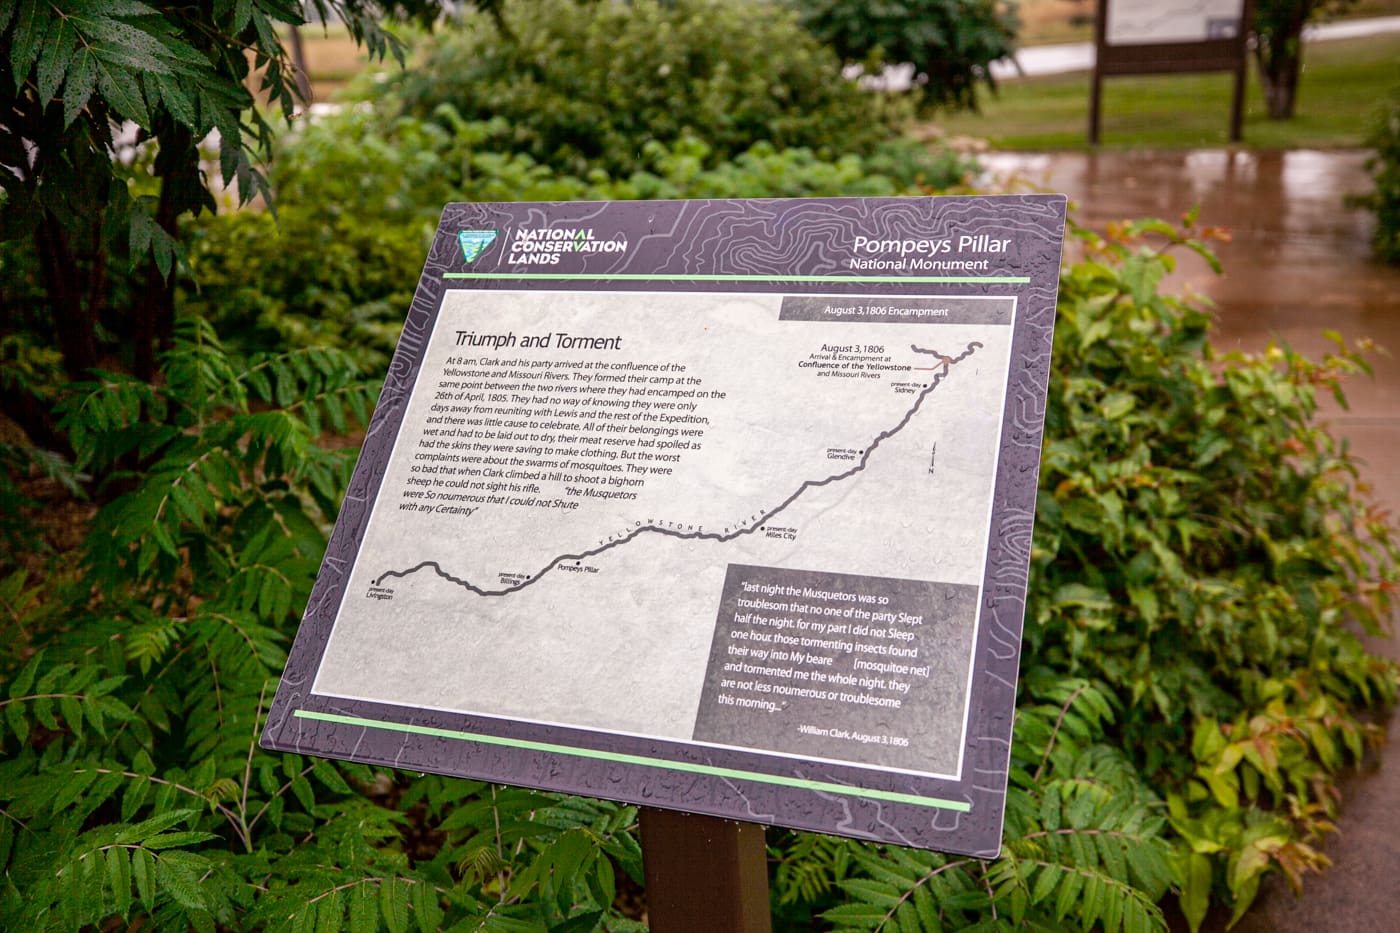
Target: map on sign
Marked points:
726	429
727	535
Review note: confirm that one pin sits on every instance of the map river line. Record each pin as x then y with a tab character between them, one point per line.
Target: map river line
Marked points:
721	537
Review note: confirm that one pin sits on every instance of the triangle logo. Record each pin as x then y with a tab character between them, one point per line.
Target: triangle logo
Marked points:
474	242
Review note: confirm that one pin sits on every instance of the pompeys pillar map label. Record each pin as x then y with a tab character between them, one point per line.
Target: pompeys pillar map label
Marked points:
723	506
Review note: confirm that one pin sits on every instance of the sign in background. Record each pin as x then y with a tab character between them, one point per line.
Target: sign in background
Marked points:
721	506
1161	37
1145	22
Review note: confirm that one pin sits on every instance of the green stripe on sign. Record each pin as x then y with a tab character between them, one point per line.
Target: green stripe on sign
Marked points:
640	761
647	277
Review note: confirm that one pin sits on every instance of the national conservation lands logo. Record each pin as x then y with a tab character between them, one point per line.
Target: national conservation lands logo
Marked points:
544	245
540	246
474	242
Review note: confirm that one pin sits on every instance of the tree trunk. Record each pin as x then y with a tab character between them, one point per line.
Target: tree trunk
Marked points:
75	316
1278	51
1279	76
153	317
303	75
154	314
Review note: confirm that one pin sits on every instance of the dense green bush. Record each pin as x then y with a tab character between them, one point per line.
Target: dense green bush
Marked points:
950	43
337	264
359	194
1202	552
1192	683
137	672
1385	171
589	85
639	100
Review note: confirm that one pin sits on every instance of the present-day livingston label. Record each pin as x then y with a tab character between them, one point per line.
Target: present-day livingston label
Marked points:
722	506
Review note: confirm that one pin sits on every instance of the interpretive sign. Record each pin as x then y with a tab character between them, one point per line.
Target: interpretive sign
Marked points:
1153	37
721	506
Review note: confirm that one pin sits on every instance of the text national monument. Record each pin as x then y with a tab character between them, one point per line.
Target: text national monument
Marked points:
716	506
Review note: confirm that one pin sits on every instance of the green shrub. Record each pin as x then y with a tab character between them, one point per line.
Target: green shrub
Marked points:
950	43
359	194
337	265
1385	171
137	671
1192	686
588	85
1086	846
895	167
358	198
1201	551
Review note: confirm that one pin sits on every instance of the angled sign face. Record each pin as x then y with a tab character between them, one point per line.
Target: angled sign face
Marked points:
722	506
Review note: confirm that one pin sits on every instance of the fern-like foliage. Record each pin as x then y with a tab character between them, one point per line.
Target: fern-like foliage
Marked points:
136	677
807	871
1084	840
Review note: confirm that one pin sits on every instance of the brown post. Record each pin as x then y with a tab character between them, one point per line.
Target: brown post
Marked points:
704	874
1241	73
1237	105
1096	89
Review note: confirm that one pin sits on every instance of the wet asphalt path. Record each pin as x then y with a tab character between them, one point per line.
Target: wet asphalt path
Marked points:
1299	263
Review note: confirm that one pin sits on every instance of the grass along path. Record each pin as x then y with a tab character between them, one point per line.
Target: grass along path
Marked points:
1343	84
1344	81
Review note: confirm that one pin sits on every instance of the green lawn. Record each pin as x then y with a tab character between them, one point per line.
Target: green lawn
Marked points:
1343	84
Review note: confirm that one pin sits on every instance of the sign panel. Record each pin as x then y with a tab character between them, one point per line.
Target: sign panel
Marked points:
722	506
1138	22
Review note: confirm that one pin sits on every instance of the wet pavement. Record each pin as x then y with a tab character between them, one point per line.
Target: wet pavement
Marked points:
1299	263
